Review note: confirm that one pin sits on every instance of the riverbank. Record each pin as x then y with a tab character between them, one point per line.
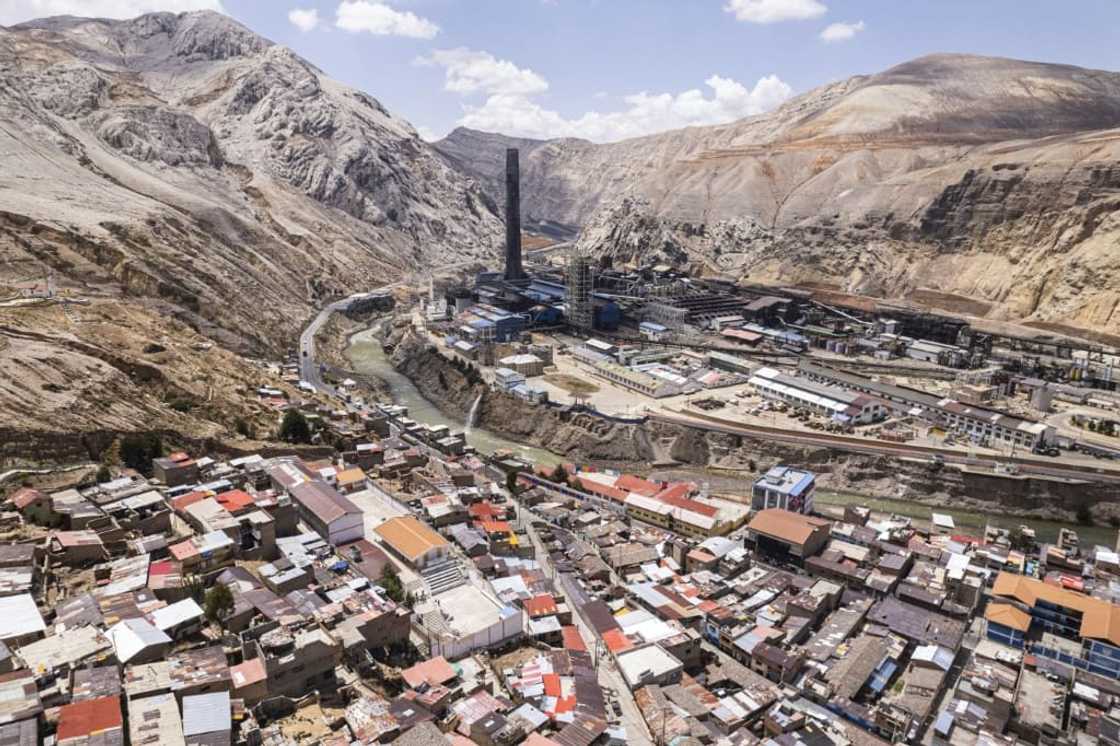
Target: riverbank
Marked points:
729	463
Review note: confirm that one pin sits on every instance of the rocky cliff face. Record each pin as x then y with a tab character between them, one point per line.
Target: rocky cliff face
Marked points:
989	178
185	157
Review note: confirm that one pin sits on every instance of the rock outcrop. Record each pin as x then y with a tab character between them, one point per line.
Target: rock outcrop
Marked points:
988	178
187	158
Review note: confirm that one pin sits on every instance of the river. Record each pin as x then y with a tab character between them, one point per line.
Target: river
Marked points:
368	358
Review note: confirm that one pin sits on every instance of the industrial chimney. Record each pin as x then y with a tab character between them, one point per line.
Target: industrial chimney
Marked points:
514	271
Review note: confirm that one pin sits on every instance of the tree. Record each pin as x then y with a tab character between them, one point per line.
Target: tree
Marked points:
1019	540
559	475
244	428
1084	515
194	587
391	582
138	450
103	474
219	602
294	428
511	483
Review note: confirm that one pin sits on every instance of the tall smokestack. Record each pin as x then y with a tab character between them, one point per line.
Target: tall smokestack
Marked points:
513	217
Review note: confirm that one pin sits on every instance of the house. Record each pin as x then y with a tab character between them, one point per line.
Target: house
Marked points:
207	719
653	331
352	480
34	506
91	721
786	536
413	541
333	516
138	641
299	662
155	721
179	619
786	488
20	620
77	547
648	664
19	697
175	470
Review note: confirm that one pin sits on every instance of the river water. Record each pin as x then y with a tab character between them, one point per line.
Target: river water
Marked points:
368	358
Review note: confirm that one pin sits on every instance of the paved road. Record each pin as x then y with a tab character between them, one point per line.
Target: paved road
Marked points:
637	732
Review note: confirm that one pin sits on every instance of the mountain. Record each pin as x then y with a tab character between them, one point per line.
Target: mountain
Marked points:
951	175
185	181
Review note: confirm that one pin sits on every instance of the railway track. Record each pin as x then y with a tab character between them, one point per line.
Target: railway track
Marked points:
899	450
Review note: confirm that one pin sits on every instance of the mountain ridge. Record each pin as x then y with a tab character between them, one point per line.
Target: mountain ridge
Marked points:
984	177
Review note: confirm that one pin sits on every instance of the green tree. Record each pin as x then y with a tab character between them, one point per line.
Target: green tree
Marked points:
104	474
511	482
194	587
559	475
391	582
244	428
1019	540
1084	515
219	602
294	428
138	450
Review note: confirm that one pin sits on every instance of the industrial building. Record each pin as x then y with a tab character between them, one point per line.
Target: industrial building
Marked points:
643	383
982	425
830	401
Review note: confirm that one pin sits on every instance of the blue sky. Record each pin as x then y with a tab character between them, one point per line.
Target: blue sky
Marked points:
607	69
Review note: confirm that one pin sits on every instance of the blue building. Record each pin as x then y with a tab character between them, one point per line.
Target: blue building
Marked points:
491	324
786	488
1091	622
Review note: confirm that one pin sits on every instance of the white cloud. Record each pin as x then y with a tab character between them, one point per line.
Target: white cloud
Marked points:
304	19
427	134
773	11
468	71
645	113
841	31
379	19
18	11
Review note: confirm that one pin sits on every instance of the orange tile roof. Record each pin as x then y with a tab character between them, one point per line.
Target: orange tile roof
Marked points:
89	717
234	500
409	537
631	483
1099	619
485	511
495	527
24	496
596	488
1008	616
785	525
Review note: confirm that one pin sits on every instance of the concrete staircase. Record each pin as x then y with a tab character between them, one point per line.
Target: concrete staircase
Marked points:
443	576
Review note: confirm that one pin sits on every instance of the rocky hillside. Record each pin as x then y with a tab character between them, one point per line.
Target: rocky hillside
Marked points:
185	158
184	181
994	179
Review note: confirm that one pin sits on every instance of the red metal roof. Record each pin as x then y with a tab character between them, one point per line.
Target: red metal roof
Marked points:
552	687
235	500
631	483
617	641
182	502
542	605
89	717
572	639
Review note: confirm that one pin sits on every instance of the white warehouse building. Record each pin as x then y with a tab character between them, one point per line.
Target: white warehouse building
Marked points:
830	401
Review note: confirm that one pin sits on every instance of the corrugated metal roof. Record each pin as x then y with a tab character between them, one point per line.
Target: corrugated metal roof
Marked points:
19	616
206	713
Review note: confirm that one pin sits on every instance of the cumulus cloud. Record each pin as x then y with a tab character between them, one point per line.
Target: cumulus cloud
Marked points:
841	31
773	11
469	71
18	11
377	18
304	19
644	113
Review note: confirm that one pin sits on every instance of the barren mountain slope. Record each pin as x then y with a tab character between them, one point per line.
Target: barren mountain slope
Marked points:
991	178
183	156
179	171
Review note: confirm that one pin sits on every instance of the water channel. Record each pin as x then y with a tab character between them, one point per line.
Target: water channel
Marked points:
368	358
